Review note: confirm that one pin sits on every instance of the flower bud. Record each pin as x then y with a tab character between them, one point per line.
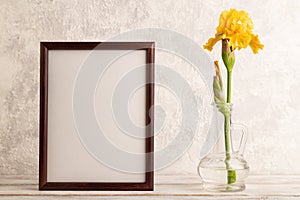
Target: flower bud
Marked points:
228	55
218	85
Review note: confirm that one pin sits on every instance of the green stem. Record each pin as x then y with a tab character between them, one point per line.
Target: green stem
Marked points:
229	86
231	174
227	136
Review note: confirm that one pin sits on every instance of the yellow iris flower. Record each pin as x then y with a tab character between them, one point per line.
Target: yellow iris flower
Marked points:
237	27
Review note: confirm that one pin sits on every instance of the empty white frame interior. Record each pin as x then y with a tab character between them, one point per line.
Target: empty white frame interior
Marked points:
68	159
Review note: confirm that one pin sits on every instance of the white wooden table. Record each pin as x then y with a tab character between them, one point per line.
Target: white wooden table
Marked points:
166	187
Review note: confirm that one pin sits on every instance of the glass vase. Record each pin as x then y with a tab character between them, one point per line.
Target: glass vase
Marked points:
224	168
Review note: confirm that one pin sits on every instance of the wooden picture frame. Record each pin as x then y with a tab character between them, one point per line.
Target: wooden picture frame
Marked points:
57	168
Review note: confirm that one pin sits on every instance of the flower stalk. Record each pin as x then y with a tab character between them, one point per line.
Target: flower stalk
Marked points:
228	57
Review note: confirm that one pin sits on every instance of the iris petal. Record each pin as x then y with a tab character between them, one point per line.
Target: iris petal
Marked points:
237	27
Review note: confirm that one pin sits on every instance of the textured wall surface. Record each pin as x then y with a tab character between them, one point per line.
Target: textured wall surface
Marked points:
266	91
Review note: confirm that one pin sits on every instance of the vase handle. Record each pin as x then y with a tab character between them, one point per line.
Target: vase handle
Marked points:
244	136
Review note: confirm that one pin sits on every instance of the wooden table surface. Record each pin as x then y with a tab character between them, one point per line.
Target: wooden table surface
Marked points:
166	187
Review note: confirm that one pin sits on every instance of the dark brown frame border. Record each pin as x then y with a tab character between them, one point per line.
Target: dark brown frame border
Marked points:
44	47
